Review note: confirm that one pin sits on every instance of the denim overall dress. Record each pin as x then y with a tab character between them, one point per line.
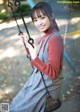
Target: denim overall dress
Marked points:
32	97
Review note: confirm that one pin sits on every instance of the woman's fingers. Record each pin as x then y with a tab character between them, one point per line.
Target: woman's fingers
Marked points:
28	45
23	38
32	50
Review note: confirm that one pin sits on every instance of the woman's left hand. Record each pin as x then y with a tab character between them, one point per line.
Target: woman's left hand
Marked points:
33	51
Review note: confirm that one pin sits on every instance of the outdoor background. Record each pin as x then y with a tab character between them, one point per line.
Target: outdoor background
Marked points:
15	68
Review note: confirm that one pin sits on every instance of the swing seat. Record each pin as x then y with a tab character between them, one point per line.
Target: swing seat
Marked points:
52	105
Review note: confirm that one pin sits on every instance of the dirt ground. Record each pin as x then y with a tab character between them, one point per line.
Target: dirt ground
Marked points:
15	67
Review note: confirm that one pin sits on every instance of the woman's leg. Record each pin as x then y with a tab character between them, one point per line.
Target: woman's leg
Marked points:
31	101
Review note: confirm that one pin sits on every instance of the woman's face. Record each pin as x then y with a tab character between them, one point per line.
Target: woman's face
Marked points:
42	22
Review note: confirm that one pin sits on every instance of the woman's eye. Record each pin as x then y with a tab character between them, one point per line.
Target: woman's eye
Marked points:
42	17
35	20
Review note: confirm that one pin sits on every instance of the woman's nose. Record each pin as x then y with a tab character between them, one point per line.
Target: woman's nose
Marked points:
39	22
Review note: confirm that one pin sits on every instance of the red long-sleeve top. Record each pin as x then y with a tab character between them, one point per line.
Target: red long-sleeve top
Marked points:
55	56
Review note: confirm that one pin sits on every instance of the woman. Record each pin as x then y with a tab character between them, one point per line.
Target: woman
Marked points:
48	61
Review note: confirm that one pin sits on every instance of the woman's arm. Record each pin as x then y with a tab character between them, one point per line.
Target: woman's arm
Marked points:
55	52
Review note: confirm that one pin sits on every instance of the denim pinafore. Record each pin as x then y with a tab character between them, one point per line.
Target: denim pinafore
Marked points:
32	97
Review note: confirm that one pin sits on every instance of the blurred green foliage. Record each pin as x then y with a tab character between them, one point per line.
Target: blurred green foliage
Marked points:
3	15
25	8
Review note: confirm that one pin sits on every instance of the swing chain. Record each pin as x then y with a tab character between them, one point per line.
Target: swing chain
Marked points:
10	4
17	3
19	30
11	7
66	30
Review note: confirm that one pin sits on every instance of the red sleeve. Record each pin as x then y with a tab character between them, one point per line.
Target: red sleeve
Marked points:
55	51
27	50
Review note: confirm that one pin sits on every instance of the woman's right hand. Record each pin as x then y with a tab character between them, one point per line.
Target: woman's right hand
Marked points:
23	38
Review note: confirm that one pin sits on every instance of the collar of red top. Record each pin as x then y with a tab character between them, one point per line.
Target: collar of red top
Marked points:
51	30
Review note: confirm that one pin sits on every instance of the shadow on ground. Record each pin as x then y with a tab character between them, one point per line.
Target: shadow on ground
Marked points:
15	67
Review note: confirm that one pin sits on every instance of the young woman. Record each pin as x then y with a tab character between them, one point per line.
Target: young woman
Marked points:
48	61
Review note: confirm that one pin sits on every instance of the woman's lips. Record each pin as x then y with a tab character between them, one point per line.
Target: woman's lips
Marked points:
41	27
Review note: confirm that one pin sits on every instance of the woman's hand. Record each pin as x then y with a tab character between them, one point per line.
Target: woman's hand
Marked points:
23	38
33	51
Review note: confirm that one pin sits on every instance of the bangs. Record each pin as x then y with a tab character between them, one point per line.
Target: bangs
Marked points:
37	12
42	7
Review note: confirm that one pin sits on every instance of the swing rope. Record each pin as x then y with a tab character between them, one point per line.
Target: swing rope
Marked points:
69	61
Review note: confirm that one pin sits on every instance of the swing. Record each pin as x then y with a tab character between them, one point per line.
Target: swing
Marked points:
51	103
